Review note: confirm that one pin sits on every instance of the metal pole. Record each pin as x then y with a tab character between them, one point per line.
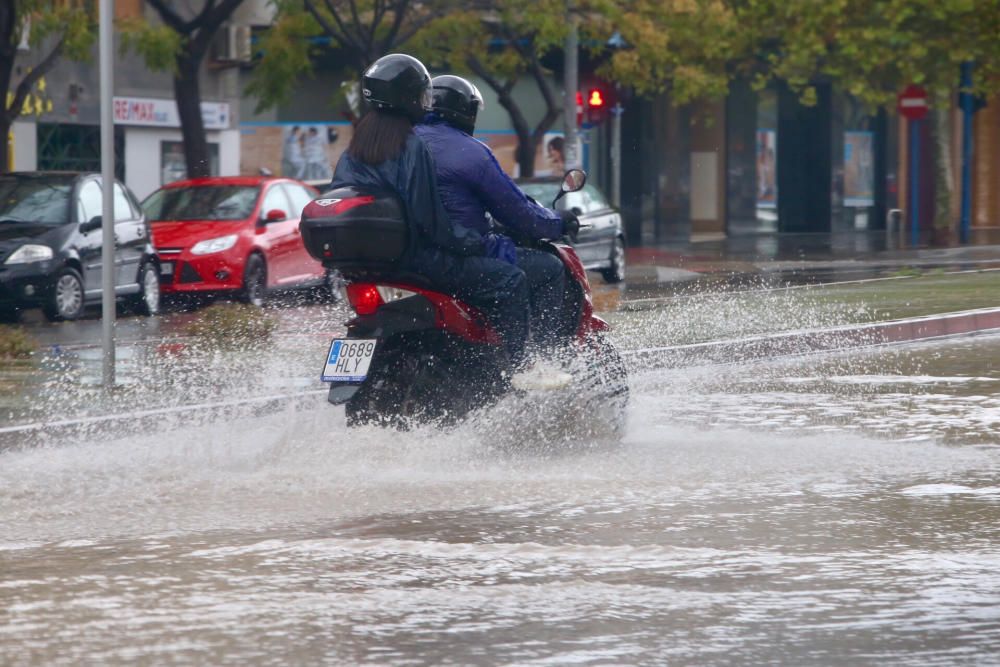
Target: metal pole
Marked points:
571	83
914	182
105	54
616	155
965	224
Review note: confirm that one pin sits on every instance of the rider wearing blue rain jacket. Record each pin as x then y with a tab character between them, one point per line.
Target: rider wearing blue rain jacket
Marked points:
472	184
385	153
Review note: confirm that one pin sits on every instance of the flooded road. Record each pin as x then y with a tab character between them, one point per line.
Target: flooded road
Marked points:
828	510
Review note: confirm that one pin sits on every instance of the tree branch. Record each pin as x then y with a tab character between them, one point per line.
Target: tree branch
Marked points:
357	25
170	17
399	12
8	30
339	33
30	79
544	87
414	28
479	69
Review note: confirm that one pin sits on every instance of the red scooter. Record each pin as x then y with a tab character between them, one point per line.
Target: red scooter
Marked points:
414	354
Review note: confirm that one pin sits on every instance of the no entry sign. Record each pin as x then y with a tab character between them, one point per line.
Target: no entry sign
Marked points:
912	103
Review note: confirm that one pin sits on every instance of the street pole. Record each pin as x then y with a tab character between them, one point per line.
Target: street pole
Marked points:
616	155
105	53
570	85
914	182
965	221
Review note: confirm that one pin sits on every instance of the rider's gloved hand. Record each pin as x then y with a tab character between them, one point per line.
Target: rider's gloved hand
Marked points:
500	247
571	225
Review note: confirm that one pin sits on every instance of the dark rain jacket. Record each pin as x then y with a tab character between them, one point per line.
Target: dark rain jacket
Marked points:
472	183
412	177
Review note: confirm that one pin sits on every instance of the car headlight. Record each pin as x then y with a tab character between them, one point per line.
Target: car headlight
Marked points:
214	245
30	253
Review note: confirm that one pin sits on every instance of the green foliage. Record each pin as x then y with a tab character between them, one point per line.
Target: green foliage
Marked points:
63	29
870	48
287	57
232	326
72	22
686	44
158	45
15	343
503	36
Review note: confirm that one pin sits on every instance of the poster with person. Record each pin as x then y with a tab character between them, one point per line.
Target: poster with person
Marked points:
859	172
767	168
550	156
304	151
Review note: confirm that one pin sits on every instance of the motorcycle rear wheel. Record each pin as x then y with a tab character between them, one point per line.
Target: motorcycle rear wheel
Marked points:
410	385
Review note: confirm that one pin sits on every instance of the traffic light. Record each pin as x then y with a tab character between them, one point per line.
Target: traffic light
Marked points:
597	105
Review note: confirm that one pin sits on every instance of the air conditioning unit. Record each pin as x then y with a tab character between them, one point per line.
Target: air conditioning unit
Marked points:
232	44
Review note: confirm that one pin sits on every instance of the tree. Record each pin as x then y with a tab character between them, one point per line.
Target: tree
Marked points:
179	45
873	49
363	31
55	29
686	46
503	43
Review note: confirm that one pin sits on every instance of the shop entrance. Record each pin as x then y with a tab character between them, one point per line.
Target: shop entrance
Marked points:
70	147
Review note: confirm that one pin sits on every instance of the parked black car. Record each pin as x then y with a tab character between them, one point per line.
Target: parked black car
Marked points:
50	245
601	244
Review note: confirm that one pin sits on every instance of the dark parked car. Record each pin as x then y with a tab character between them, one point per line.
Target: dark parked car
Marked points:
51	239
601	244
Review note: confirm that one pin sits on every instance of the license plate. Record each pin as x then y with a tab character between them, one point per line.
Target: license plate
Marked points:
167	269
348	360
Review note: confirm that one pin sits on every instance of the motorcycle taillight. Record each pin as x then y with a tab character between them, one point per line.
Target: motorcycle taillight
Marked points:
364	298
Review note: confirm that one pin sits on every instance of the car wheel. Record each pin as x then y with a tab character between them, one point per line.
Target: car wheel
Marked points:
255	281
66	302
616	272
148	300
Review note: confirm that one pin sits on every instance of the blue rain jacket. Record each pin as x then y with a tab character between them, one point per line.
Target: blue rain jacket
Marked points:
472	183
412	177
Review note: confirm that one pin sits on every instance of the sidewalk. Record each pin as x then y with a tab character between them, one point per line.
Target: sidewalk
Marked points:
798	258
937	303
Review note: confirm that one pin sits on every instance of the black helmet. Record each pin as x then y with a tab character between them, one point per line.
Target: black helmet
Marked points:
399	83
457	101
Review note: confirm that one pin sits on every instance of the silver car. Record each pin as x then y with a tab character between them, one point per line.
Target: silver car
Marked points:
601	243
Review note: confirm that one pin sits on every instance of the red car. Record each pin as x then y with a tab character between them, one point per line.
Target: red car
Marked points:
237	235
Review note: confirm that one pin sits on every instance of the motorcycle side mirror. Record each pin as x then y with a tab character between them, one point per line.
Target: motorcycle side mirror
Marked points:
573	181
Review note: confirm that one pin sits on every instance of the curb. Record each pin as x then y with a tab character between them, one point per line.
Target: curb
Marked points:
814	341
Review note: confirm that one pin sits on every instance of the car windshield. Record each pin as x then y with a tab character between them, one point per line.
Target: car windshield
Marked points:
204	202
543	193
35	200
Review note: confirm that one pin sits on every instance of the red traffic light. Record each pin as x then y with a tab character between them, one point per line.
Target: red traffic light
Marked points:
595	98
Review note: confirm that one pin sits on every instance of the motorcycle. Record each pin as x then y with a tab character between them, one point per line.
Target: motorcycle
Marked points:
413	354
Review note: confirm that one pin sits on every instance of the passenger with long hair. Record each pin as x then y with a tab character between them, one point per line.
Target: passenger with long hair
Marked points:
385	153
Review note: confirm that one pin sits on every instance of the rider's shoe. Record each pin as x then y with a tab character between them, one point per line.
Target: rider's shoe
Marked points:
541	376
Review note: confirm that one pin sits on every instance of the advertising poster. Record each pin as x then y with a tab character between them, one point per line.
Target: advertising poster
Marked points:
550	156
305	151
859	172
767	168
504	147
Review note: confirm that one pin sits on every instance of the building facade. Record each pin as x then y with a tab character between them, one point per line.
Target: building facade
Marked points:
65	132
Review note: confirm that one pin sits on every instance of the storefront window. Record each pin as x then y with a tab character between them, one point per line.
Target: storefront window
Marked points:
767	161
855	195
172	164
